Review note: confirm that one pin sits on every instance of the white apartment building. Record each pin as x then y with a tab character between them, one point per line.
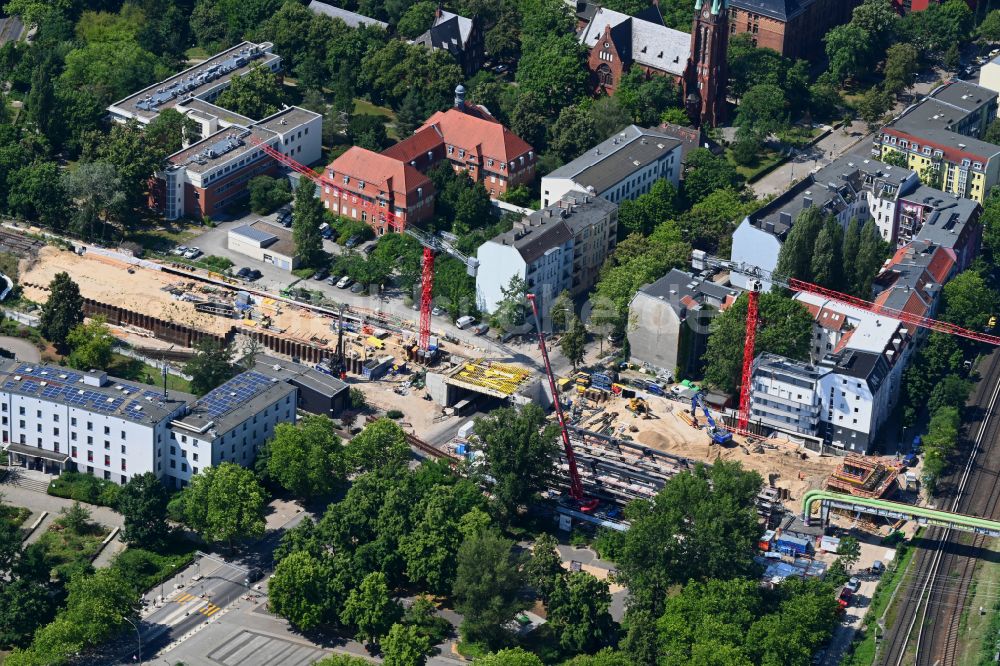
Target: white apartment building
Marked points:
57	419
562	246
624	166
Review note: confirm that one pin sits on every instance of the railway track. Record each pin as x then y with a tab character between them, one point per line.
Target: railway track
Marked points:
934	590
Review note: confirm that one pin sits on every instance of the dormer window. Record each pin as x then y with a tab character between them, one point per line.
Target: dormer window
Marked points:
347	180
361	184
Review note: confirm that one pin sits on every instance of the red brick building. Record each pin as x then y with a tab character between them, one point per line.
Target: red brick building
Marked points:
473	141
368	186
793	28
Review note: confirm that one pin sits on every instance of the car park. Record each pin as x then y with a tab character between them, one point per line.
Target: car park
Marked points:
345	282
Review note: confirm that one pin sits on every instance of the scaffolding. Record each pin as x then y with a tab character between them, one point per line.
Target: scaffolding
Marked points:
862	477
501	380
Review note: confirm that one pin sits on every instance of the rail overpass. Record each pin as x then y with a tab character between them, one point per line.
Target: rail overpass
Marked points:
895	510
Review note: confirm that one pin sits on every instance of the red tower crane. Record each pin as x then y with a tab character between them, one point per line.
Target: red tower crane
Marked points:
757	277
575	485
432	245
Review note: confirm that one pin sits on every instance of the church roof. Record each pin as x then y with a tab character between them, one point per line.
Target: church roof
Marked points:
647	43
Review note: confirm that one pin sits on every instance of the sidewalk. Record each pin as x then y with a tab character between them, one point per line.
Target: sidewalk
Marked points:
39	501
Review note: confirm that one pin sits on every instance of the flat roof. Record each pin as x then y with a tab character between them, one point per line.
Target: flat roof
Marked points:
220	68
964	94
299	374
214	110
287	119
140	403
274	237
615	158
238	399
223	146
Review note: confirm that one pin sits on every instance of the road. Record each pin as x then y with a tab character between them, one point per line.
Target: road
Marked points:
214	241
932	595
183	606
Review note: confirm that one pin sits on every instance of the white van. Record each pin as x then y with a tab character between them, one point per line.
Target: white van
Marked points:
465	321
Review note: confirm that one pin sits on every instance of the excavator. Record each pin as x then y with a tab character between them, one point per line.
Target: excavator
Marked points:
719	436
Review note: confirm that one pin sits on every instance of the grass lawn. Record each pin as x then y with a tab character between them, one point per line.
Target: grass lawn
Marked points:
196	53
164	238
69	549
14	514
134	369
146	569
765	160
362	106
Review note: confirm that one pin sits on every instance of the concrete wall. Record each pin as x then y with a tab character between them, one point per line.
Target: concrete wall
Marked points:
498	263
755	247
654	337
989	76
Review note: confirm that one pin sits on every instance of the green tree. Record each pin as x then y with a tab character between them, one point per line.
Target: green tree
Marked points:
902	61
762	111
417	19
574	341
873	107
256	94
519	446
827	261
90	345
307	216
307	458
171	130
111	70
405	646
849	48
472	208
849	551
851	247
380	447
210	367
410	115
573	133
37	194
989	29
487	587
969	301
368	131
267	194
705	173
98	193
509	657
342	660
511	310
143	504
562	309
394	69
952	391
872	252
785	328
795	256
545	566
553	70
578	613
223	503
371	609
63	311
299	591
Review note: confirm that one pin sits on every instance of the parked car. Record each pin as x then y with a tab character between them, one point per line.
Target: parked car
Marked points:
333	280
479	329
325	231
853	585
179	250
321	274
357	288
345	282
369	249
243	273
465	322
352	242
192	253
437	311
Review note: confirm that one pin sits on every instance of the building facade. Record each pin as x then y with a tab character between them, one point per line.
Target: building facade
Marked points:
56	419
265	242
622	167
940	137
669	321
559	248
793	28
378	190
460	36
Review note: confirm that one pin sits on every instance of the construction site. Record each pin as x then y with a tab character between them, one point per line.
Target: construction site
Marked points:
180	306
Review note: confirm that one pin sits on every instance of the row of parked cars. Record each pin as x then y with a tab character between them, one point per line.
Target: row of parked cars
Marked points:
186	252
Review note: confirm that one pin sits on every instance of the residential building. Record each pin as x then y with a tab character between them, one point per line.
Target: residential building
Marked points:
228	424
560	247
622	167
787	395
793	28
208	176
941	136
857	187
913	278
352	19
691	138
58	419
377	189
461	37
473	141
265	242
669	321
618	42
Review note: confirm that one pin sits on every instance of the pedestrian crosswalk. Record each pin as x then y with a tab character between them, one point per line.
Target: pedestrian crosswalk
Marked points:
208	610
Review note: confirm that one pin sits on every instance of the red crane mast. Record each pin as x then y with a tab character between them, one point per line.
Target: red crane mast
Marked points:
758	275
430	244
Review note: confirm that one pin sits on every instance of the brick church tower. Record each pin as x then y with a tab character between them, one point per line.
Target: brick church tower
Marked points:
706	74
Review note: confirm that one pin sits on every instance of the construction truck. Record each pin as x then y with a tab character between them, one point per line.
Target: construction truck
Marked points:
719	435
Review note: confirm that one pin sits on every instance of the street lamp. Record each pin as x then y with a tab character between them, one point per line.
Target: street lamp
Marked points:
138	637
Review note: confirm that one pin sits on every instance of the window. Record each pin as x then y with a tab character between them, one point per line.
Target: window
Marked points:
123	465
73	451
20	411
184	467
123	434
21	423
123	449
55	418
194	470
107	430
90	425
173	451
90	440
107	460
90	456
195	456
173	464
55	431
107	445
